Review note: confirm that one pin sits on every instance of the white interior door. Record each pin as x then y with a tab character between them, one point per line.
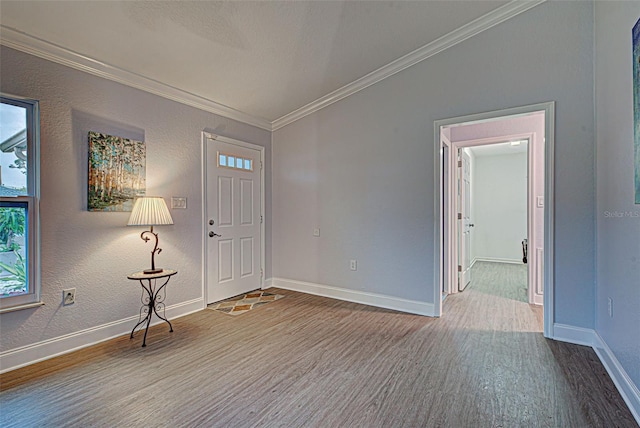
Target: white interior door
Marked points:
233	220
464	189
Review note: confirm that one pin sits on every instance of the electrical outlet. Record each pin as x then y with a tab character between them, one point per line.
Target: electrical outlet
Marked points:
353	264
610	307
68	296
316	232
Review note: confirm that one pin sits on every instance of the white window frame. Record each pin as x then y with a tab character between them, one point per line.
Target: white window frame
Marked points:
32	298
235	167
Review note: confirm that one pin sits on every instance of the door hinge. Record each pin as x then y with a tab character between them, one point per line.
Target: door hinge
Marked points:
459	268
260	219
459	216
261	273
260	165
459	164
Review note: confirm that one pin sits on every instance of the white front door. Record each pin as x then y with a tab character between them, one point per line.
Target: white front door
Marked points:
233	219
465	225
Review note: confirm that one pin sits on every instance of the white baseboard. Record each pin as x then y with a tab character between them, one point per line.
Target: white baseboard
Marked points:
575	335
268	283
538	299
496	260
621	379
589	337
362	297
40	351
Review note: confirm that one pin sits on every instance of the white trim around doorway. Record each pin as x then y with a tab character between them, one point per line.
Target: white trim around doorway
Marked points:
441	270
534	267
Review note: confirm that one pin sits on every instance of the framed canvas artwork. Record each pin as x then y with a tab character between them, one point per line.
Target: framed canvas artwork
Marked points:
116	172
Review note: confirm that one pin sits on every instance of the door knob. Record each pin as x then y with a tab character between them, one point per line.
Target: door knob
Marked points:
471	225
211	222
212	234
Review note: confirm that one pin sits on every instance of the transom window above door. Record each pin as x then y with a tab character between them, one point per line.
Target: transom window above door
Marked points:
226	160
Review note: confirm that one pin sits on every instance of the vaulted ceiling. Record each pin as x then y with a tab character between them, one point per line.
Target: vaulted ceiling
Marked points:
263	59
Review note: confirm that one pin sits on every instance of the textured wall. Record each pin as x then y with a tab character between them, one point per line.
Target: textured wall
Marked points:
362	168
618	219
95	251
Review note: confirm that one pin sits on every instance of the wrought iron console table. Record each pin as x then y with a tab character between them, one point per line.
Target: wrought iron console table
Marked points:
152	298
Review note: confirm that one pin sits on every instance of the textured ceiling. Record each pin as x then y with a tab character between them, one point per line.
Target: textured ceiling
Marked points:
265	58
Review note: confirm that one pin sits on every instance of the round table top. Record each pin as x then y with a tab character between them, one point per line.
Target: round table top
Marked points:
142	275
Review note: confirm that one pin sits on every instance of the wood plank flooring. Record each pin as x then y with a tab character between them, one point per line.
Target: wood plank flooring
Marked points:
308	361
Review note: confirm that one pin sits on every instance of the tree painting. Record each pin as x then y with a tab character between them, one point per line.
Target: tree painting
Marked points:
116	172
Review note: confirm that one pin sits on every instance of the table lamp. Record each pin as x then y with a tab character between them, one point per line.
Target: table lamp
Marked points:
150	211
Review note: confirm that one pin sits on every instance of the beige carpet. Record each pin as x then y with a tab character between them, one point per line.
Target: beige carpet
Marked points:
244	303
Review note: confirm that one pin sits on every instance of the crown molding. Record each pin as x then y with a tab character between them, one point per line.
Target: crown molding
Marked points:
14	39
491	19
41	48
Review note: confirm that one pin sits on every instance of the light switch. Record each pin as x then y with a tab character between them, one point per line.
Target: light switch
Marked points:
316	232
540	201
178	203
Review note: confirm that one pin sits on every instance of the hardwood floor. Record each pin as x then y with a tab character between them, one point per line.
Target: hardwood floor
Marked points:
308	361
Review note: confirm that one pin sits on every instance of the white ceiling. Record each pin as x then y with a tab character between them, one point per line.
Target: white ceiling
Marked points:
263	58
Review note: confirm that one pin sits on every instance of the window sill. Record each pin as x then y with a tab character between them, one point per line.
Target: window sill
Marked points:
21	307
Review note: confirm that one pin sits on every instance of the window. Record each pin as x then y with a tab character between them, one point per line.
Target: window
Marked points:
234	162
19	193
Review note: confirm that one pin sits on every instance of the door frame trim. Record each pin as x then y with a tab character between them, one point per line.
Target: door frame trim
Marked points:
549	207
210	136
534	259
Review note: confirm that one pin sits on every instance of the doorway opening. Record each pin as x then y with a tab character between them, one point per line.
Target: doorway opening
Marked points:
522	135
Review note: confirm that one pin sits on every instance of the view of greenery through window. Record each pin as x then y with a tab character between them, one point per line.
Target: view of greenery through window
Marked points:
13	182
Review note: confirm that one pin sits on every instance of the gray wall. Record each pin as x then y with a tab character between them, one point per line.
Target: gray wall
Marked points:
95	251
362	168
618	238
499	192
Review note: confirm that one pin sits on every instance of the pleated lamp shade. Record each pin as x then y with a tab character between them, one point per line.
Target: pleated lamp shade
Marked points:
150	211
